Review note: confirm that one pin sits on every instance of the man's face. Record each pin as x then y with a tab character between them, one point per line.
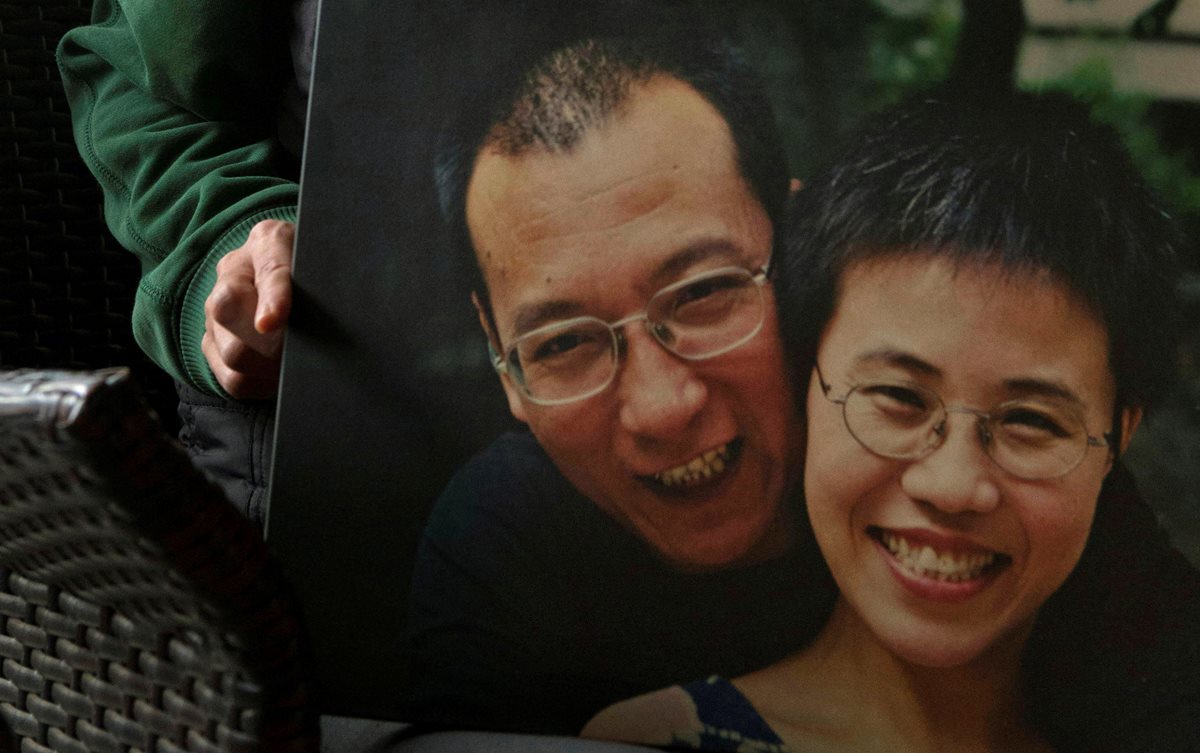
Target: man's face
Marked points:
645	200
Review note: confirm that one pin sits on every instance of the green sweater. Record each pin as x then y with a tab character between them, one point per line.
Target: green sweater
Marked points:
173	106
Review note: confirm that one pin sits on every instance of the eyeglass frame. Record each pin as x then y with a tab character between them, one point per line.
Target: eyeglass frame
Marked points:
982	432
760	278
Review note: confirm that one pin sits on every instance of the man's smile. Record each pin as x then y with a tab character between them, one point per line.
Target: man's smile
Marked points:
702	469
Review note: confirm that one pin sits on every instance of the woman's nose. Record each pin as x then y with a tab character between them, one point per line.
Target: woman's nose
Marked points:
957	475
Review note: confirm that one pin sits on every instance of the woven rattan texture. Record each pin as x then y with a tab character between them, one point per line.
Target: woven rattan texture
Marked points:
66	286
78	677
138	610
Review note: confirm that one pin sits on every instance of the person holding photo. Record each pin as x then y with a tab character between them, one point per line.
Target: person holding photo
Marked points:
977	298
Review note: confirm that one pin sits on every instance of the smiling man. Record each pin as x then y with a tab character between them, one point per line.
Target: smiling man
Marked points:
620	209
690	405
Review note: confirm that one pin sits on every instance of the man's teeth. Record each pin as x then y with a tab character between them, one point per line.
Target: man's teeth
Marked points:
923	561
697	470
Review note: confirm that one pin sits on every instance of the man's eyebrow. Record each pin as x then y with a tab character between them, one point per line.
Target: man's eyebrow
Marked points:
695	252
531	316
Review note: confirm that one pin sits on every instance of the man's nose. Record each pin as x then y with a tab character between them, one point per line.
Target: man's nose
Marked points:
660	393
957	476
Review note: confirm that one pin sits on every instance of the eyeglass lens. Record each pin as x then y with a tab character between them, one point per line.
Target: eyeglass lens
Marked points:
1031	439
696	318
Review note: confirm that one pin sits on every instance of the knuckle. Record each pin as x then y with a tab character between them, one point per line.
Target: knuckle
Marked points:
235	383
232	263
275	266
221	303
234	353
208	347
269	232
260	229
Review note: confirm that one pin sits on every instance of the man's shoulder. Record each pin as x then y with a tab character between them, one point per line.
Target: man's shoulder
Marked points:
515	456
513	468
510	488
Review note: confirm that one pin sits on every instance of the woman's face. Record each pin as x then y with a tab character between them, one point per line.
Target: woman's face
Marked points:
946	555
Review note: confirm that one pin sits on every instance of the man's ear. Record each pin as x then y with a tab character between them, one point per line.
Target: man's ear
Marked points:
516	404
794	185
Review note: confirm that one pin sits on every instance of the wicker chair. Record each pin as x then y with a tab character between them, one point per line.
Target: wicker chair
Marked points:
138	610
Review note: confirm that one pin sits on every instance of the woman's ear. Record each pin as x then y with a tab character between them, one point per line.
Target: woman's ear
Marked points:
794	185
1130	418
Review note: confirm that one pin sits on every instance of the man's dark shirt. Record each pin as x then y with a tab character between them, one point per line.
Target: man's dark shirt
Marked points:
531	609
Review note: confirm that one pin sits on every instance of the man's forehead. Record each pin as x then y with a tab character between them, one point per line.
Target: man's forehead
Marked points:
661	122
635	193
666	143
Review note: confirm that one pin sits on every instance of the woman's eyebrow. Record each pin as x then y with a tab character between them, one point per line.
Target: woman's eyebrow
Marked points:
1042	387
1018	386
898	358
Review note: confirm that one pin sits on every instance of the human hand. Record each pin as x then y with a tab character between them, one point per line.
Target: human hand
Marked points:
246	311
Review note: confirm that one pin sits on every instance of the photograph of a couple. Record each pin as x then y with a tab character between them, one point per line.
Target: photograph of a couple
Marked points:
916	374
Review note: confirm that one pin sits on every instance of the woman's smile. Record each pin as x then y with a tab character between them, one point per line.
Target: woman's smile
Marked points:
939	548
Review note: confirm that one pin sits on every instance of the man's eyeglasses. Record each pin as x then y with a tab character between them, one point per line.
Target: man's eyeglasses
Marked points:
695	318
1033	439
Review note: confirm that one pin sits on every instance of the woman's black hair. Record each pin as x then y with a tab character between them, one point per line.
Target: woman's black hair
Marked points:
1026	181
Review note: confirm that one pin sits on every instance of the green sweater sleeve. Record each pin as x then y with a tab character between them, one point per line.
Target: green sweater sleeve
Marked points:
173	107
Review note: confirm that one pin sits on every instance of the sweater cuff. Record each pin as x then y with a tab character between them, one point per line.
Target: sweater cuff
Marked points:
191	313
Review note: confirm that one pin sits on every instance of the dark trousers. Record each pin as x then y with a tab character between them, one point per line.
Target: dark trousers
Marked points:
232	442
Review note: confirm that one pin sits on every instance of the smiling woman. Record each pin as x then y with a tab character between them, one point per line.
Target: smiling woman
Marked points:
944	548
965	295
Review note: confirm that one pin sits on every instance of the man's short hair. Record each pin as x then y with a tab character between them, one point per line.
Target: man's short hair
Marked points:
1026	181
584	83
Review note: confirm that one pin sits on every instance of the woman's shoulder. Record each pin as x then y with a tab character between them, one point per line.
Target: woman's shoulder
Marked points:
708	714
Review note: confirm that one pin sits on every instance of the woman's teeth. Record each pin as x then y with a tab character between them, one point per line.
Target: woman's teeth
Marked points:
697	470
924	561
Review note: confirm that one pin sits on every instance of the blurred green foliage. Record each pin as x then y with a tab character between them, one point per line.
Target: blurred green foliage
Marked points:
827	64
911	50
1171	173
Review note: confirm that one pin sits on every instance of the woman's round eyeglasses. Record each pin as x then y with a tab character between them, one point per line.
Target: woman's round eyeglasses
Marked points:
1031	438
